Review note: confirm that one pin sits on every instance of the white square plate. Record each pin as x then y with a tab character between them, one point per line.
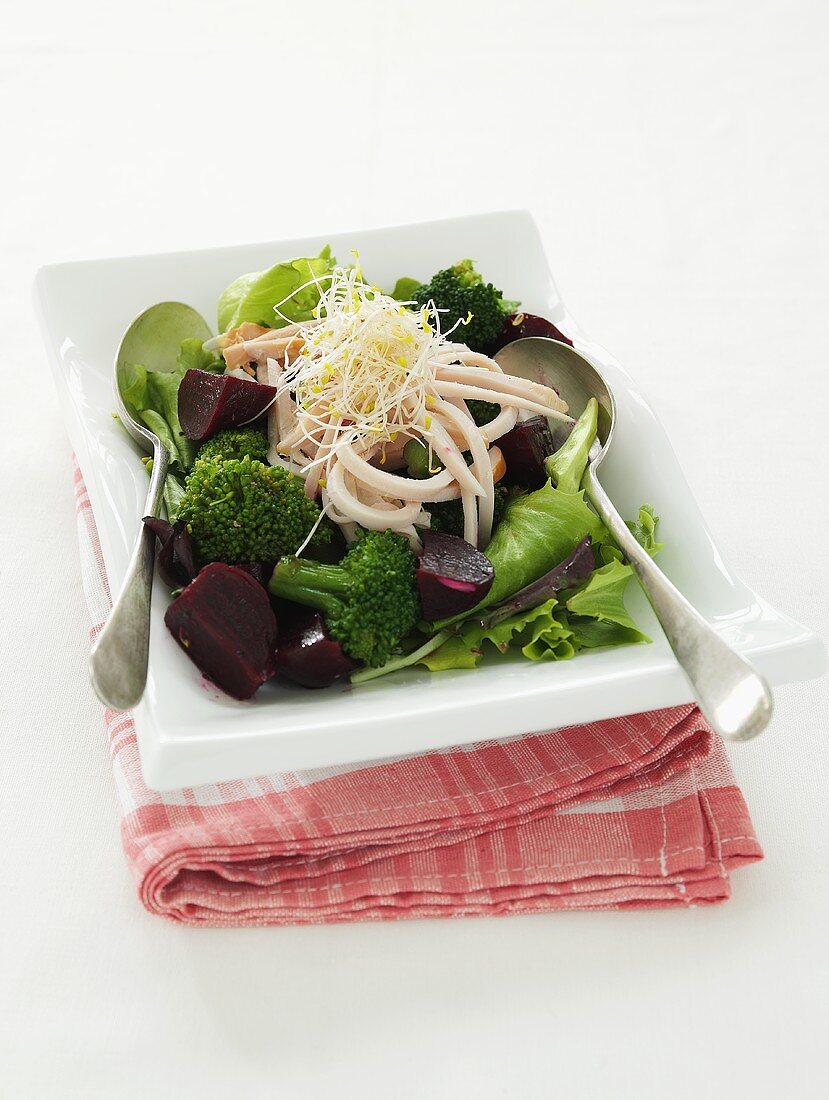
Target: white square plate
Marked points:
189	734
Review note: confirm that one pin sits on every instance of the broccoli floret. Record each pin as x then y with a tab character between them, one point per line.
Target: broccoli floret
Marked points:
239	510
483	411
369	600
460	290
235	443
447	515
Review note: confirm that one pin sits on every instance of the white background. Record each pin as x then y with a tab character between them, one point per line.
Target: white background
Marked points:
675	157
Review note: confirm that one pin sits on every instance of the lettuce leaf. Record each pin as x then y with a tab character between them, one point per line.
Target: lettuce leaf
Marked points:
405	288
465	649
152	397
172	491
644	530
539	633
603	598
566	467
594	615
252	297
595	634
548	637
537	531
192	356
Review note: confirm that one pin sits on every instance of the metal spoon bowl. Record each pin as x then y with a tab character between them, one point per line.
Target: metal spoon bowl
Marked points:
118	661
733	697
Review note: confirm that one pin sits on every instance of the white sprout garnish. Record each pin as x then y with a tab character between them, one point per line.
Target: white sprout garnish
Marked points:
367	365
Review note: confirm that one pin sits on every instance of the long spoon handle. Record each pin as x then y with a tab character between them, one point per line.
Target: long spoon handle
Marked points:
732	695
118	662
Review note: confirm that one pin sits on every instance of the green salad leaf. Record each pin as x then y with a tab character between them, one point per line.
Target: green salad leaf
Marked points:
566	467
252	297
172	491
460	651
595	634
602	597
405	288
594	615
548	637
192	356
465	649
543	633
152	397
643	530
537	531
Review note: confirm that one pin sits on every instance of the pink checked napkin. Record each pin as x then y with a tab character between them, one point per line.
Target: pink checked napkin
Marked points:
633	812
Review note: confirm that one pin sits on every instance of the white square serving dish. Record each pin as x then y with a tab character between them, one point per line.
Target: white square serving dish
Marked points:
189	734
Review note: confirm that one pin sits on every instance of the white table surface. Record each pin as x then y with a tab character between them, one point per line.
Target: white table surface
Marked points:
675	156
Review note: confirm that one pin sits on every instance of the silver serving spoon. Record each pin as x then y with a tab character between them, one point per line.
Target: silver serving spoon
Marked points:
118	662
731	694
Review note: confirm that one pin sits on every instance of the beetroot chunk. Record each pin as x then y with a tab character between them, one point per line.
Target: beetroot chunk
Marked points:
306	653
259	570
519	325
208	402
452	575
176	558
225	624
524	450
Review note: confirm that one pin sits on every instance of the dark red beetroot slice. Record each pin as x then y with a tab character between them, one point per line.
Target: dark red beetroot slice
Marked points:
176	558
524	450
307	654
225	624
259	570
208	402
519	325
452	575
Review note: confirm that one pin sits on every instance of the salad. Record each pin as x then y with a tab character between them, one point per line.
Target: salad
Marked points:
357	487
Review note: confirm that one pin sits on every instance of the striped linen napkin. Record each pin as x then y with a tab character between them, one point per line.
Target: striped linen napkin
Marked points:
632	812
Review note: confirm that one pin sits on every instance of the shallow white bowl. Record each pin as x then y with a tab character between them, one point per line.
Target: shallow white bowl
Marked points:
189	733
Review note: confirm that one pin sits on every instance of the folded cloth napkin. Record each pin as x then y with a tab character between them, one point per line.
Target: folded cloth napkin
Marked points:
632	812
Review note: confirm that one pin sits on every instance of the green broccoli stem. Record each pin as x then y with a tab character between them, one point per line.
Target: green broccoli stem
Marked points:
313	583
406	661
